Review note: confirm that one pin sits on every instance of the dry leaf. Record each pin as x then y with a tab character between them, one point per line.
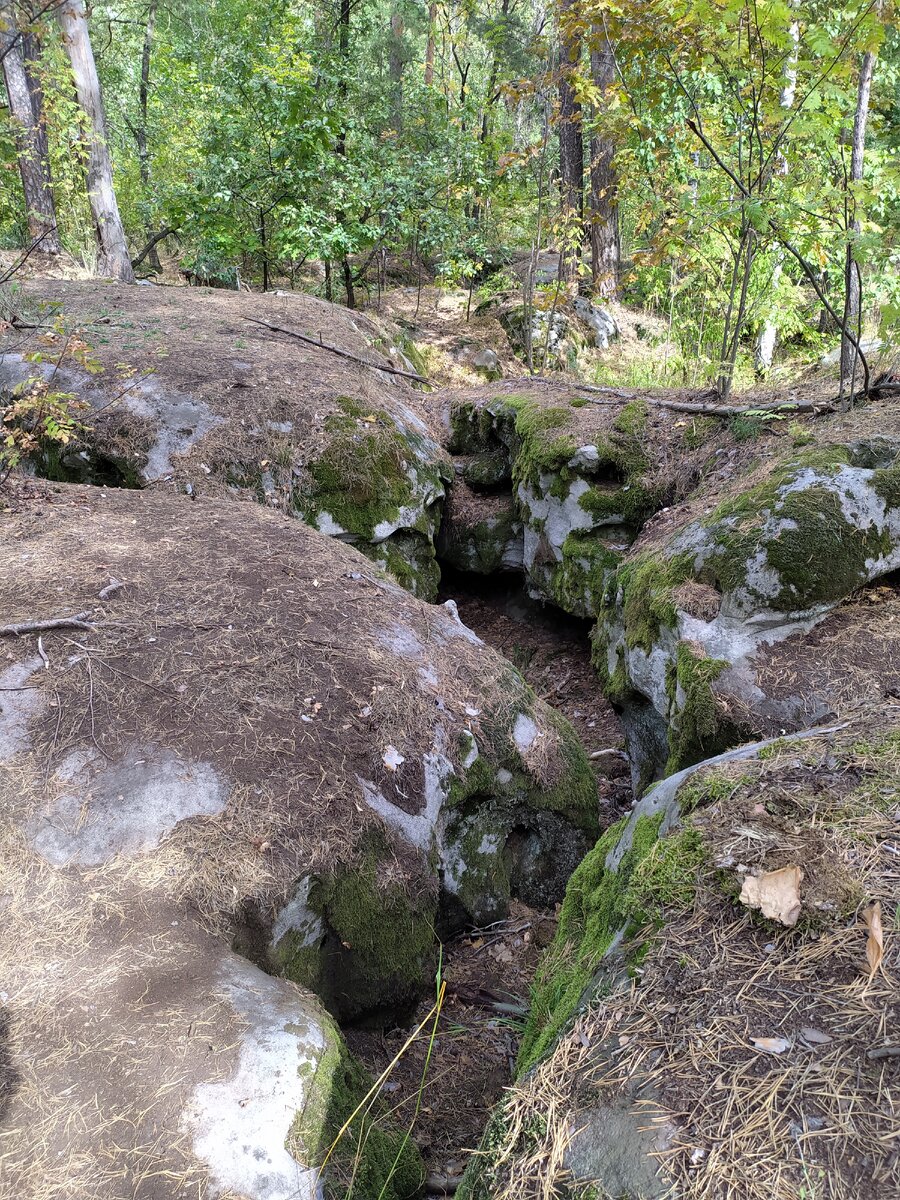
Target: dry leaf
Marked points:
875	941
771	1045
814	1036
775	893
392	758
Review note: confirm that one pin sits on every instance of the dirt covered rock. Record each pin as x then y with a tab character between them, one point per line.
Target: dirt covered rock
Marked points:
710	633
681	1042
359	763
192	395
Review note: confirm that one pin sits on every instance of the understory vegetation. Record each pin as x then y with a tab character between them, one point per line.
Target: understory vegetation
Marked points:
730	167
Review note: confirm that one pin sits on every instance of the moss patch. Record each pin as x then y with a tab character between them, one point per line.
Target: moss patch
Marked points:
579	583
366	473
647	584
373	1158
595	910
380	940
699	729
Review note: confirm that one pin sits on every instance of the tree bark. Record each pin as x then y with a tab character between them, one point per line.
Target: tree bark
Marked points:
395	70
766	339
429	46
571	149
853	294
604	217
26	110
140	132
113	256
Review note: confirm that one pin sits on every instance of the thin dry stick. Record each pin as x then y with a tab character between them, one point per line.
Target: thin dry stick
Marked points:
78	621
335	350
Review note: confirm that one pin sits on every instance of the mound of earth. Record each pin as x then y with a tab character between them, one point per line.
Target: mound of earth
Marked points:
718	1013
192	394
242	736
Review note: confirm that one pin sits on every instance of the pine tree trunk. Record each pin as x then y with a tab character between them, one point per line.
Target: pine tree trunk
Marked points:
853	295
140	133
26	110
113	251
571	149
604	218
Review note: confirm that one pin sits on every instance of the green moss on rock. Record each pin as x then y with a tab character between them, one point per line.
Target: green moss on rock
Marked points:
647	584
579	583
595	910
379	945
372	1158
411	559
698	727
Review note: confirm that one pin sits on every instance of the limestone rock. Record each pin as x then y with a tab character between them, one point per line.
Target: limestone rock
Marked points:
602	324
216	405
487	363
780	554
228	737
635	1045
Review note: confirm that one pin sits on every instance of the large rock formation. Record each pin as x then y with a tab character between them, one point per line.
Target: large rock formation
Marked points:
722	991
711	562
247	737
192	394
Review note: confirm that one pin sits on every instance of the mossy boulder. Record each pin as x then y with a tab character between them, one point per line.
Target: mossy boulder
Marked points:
340	761
193	391
691	618
480	533
581	489
667	999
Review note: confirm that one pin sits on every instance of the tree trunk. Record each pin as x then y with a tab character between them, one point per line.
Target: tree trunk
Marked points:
429	47
395	70
113	252
571	150
26	110
853	294
140	133
766	339
604	219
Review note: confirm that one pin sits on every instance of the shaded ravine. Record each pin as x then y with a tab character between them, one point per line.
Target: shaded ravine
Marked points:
488	972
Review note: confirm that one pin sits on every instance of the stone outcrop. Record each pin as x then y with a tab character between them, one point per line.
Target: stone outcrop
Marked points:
664	1003
197	397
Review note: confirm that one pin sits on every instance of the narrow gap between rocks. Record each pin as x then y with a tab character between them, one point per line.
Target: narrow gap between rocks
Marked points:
489	971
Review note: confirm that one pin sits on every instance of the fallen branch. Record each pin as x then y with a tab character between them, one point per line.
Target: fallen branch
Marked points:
154	241
78	621
727	410
335	350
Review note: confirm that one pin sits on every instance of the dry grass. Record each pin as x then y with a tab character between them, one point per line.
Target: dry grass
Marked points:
819	1121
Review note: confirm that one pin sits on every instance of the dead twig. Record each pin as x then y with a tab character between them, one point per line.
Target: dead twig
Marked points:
78	621
335	350
110	590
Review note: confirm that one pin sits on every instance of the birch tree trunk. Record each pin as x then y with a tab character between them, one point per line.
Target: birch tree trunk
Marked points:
571	150
604	218
853	297
764	350
26	111
113	252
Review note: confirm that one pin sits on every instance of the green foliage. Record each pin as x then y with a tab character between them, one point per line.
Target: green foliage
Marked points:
38	419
